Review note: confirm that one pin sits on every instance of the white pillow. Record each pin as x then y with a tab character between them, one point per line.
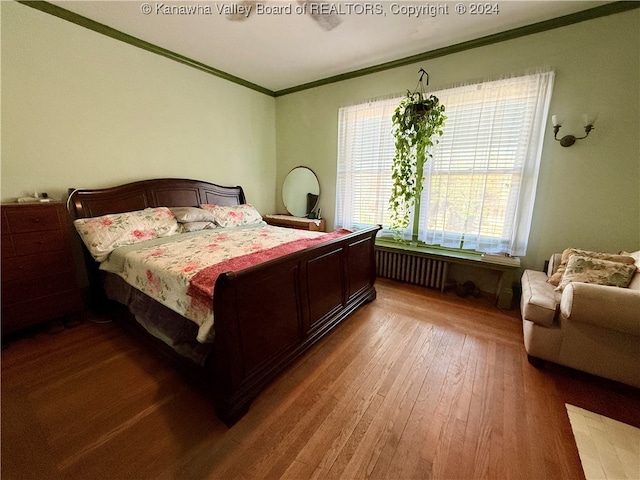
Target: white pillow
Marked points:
104	234
192	214
197	226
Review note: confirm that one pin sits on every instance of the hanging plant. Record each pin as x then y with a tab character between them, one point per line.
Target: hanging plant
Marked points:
417	124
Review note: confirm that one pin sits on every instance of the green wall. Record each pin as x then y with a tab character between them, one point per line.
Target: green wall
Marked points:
80	109
588	195
83	110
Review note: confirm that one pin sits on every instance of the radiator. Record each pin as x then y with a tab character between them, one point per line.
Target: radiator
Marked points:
416	269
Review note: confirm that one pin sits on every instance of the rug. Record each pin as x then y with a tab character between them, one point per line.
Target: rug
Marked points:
608	449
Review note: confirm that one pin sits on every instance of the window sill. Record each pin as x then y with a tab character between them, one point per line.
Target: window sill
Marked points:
455	256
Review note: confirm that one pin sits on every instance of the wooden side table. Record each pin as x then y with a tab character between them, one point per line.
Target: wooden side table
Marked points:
300	223
39	280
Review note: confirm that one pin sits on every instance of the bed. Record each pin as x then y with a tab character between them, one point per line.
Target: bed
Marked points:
264	315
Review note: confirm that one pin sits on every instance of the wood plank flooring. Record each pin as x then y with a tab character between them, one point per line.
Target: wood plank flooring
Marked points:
416	384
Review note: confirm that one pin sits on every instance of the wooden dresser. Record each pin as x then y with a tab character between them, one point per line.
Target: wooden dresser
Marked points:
296	222
39	280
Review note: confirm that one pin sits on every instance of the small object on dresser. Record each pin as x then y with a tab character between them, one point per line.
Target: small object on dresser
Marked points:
36	198
28	200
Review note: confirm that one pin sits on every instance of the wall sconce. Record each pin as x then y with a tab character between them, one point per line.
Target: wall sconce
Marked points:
569	140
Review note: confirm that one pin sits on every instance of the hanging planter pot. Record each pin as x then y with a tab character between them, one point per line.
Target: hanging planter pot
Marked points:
417	123
419	109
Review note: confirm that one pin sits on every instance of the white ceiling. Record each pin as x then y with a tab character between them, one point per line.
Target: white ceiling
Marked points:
281	51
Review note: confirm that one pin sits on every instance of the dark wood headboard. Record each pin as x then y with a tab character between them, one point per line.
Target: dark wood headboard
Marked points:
161	192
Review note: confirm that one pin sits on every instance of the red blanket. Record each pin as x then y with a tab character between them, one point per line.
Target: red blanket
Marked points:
202	283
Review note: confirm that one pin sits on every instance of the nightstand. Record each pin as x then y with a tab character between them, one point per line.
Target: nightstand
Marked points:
300	223
38	272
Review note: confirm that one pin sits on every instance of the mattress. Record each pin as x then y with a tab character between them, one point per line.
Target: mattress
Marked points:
164	268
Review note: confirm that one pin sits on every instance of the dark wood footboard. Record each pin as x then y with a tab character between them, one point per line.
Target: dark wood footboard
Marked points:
268	315
265	316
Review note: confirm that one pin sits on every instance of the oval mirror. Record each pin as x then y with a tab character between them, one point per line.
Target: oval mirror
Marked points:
300	191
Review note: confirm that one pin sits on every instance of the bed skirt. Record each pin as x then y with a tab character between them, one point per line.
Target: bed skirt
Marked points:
170	327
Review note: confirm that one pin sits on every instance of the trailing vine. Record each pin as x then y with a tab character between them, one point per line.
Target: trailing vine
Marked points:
417	123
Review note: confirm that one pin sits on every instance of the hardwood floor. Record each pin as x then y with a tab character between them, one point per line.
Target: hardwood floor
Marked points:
416	384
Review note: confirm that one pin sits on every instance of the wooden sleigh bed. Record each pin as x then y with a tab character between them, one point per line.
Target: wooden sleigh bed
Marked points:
265	316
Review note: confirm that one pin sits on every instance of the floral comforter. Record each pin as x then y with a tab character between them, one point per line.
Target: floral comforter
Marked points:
163	268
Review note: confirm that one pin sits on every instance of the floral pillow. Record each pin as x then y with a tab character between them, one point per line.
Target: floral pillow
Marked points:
581	268
234	215
611	257
104	234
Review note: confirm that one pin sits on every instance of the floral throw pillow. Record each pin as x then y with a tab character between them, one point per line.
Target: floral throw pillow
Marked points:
234	215
581	268
104	234
612	257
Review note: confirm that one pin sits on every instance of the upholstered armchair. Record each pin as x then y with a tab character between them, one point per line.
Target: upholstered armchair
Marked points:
593	327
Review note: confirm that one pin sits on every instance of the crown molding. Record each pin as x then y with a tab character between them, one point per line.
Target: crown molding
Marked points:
85	22
593	13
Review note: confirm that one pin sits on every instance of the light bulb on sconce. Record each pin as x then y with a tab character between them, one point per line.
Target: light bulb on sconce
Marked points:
568	140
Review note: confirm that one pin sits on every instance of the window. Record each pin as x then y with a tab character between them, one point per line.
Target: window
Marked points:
479	186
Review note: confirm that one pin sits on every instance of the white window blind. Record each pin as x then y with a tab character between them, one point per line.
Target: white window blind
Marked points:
365	150
480	185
